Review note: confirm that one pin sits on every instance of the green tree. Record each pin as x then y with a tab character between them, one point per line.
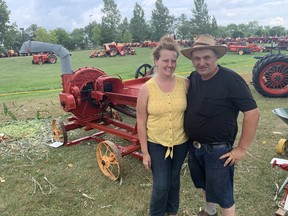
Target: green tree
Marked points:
123	28
214	27
231	28
4	21
223	32
161	21
63	38
201	20
183	28
93	31
13	38
126	37
252	27
110	21
45	36
243	28
277	31
31	31
138	24
96	35
79	38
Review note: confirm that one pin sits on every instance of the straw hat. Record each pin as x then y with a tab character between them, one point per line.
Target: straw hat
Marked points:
205	41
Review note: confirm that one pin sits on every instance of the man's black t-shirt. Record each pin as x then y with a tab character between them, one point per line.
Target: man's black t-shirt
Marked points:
213	106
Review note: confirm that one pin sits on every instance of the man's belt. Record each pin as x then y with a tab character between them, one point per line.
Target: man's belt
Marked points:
210	146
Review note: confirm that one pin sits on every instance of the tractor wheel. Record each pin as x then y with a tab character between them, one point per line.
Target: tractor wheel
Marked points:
247	51
241	52
109	160
59	132
124	49
40	62
113	52
33	62
52	59
144	70
260	59
270	77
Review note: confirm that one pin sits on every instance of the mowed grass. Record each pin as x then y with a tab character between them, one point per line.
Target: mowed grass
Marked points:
40	180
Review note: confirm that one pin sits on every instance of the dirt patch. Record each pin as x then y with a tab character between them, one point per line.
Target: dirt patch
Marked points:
247	77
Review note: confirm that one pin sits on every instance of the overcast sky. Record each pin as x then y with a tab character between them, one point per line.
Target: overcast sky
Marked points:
71	14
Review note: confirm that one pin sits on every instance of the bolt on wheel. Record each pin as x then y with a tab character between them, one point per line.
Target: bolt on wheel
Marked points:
109	160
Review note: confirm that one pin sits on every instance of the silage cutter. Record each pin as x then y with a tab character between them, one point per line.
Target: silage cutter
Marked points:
95	100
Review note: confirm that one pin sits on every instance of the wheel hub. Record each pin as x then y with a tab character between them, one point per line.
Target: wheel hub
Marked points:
277	77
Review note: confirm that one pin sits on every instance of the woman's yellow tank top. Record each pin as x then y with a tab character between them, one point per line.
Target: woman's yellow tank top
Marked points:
165	124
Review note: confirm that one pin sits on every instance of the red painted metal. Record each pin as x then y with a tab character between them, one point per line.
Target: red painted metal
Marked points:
89	94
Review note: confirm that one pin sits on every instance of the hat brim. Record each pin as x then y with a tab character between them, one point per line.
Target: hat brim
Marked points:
219	49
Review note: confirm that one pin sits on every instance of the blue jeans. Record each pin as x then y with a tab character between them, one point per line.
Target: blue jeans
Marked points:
208	172
166	178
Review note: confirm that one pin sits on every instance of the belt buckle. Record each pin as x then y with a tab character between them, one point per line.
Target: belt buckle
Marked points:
196	144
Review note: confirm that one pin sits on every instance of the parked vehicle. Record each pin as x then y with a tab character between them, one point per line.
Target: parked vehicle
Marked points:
44	58
243	48
113	49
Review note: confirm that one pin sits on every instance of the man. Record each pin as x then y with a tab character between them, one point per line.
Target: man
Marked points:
216	96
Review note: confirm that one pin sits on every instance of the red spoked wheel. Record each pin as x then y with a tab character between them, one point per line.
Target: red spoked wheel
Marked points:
270	76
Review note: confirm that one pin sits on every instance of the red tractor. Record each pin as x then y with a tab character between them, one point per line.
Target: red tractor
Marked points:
242	48
113	49
44	58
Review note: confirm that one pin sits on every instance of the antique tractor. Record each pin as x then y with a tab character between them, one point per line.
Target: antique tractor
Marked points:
270	75
243	48
95	100
41	58
113	49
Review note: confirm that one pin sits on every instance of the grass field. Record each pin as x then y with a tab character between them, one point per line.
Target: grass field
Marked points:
40	180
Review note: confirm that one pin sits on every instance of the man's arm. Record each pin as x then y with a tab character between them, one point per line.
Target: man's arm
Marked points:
249	128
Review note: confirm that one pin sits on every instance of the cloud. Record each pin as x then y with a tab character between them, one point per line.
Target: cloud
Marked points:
277	21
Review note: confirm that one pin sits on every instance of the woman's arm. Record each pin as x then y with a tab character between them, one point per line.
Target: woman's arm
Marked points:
142	115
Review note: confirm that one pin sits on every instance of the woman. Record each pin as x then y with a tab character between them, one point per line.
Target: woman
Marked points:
160	115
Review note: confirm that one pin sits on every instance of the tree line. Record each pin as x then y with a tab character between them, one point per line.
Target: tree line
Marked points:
113	28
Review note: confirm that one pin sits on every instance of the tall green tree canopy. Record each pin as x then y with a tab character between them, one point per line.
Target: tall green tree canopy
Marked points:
201	21
138	25
110	21
4	20
161	21
183	27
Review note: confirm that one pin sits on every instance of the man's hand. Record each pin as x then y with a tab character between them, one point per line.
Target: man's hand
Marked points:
234	156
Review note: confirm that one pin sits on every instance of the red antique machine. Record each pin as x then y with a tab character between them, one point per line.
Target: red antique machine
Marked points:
95	100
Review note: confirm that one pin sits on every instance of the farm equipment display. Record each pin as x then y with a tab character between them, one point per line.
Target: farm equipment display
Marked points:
44	58
113	49
282	113
270	75
243	48
97	54
95	101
